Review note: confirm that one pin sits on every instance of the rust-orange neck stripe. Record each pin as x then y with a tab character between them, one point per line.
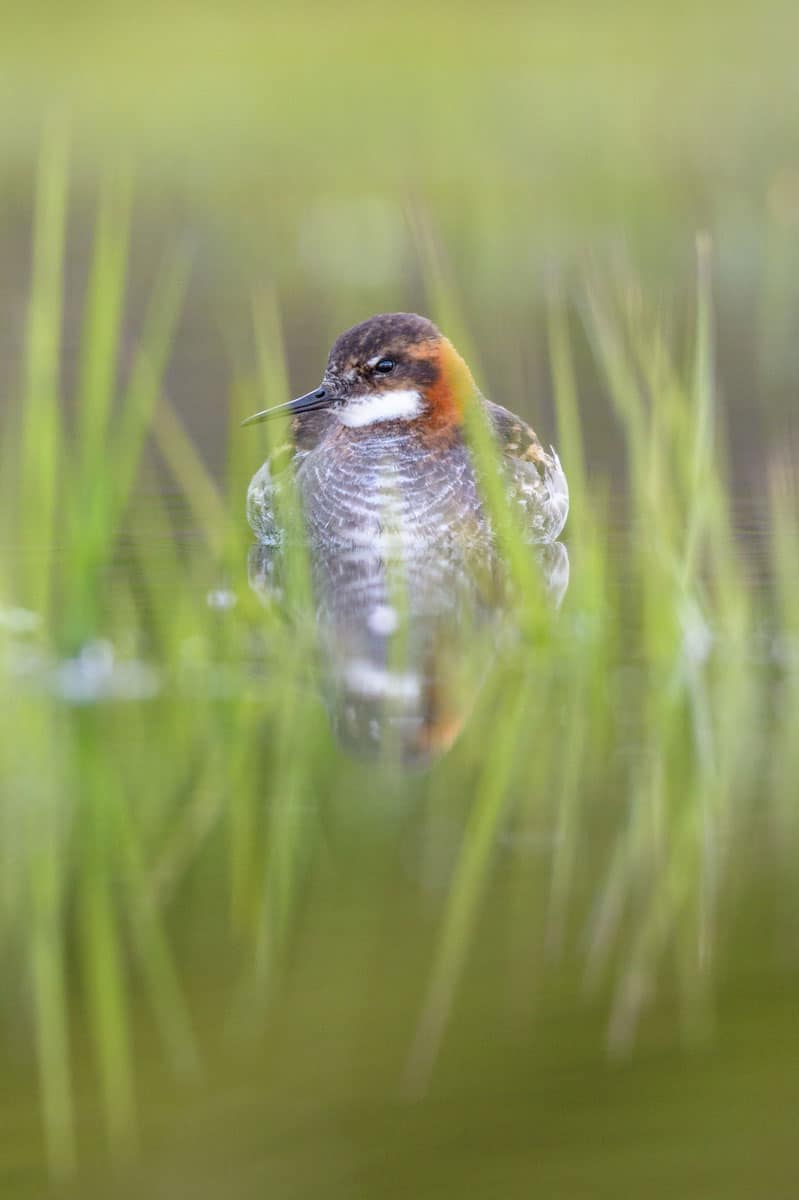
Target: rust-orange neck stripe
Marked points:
452	389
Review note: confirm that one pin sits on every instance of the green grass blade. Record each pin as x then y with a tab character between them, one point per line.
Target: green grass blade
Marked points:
41	468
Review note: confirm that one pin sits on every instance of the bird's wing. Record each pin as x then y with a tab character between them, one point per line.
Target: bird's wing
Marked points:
536	482
304	435
516	439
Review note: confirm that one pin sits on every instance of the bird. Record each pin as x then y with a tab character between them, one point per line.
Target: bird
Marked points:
380	455
407	578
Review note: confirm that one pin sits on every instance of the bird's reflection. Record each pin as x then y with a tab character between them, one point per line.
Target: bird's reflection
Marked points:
405	644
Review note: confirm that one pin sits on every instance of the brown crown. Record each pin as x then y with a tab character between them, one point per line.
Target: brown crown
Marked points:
385	334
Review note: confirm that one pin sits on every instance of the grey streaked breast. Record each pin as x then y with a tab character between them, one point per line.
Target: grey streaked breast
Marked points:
386	486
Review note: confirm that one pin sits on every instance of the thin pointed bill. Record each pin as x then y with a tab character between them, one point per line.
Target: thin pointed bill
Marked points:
310	402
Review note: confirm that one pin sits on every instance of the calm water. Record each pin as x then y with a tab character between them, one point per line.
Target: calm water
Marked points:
414	1020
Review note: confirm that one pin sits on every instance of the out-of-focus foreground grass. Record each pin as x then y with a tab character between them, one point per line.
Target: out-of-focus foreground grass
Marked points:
232	955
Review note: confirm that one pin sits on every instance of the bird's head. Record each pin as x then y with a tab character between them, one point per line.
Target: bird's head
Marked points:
393	367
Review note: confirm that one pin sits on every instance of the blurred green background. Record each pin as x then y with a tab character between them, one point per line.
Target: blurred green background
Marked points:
291	146
561	957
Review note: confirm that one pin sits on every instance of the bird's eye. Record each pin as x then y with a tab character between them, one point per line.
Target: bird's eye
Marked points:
385	365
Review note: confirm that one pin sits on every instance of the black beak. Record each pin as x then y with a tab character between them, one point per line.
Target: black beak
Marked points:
321	398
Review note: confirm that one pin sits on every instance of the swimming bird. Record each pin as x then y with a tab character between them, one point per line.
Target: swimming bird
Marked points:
380	455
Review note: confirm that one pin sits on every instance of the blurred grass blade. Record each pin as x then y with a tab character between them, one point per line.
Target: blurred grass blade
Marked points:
467	886
274	388
570	441
146	374
193	477
41	467
102	325
532	612
104	971
51	1008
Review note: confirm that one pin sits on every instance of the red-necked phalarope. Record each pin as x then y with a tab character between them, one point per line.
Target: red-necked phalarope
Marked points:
380	454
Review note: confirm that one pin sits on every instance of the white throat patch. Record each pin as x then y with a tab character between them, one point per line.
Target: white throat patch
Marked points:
400	405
